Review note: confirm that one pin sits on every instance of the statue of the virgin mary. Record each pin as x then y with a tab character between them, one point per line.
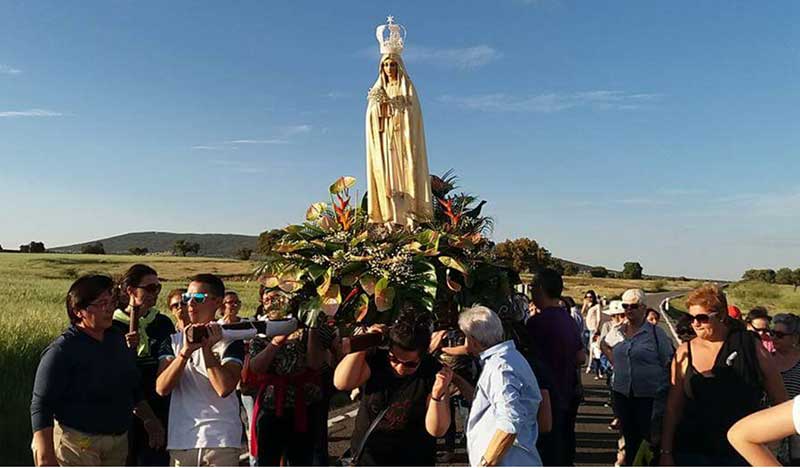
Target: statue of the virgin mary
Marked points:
397	163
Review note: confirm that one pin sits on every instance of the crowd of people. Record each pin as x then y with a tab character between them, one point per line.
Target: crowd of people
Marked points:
112	392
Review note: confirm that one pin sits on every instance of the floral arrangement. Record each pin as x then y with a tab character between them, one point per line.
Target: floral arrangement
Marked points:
338	264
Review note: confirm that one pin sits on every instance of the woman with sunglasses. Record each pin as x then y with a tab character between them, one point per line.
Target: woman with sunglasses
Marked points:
592	310
786	337
718	377
231	305
87	387
758	321
404	386
139	289
640	354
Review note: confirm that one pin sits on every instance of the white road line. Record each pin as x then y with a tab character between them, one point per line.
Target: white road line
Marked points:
666	319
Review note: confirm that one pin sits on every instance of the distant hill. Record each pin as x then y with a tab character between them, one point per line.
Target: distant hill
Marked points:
211	245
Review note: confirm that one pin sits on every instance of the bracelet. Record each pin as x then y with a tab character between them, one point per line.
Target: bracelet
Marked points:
184	356
438	400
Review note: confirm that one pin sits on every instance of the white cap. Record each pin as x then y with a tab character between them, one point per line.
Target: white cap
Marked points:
614	308
633	296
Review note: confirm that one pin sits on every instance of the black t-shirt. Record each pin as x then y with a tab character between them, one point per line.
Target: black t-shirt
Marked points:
400	437
158	333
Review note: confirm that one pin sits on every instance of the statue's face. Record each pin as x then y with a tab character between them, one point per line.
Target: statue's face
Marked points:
390	68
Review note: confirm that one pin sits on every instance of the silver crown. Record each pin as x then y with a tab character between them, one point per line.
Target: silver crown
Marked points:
391	37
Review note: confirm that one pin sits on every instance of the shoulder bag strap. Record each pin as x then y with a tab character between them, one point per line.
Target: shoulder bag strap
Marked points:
363	443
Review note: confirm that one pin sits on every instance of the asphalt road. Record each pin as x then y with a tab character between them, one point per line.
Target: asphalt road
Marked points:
596	443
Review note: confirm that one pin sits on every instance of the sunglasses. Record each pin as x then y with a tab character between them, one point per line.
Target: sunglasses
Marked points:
780	334
763	331
233	303
175	305
198	297
701	318
630	306
154	288
406	364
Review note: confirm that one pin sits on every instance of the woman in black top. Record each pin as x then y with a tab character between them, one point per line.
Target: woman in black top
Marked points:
718	377
410	385
87	385
139	289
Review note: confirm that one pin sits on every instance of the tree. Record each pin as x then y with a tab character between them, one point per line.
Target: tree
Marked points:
599	272
96	248
138	251
796	278
632	270
570	269
784	276
266	241
767	275
25	248
525	255
36	247
244	253
182	247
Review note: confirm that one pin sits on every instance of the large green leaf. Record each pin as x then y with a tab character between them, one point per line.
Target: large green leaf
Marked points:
384	295
368	284
332	300
315	211
342	183
458	265
322	289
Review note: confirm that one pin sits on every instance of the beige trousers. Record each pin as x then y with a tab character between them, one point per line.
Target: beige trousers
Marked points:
75	448
213	456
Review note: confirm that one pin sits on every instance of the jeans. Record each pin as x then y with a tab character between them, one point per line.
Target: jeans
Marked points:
635	415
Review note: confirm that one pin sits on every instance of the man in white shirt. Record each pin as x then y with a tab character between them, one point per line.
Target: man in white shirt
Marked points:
204	424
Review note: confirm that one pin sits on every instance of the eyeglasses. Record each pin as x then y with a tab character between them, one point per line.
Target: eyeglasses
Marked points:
175	305
100	304
154	288
406	364
780	334
233	303
198	297
630	306
702	318
763	331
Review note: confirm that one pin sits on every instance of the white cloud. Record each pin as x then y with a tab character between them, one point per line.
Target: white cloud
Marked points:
7	70
553	102
257	142
31	113
462	58
292	130
285	134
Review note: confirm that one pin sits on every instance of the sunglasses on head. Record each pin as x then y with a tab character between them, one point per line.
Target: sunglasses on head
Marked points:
198	297
154	288
406	364
702	318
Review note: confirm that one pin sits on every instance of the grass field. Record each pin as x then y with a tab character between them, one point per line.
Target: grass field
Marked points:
32	314
776	298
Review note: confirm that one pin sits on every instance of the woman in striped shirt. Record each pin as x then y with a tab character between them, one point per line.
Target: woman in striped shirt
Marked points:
786	337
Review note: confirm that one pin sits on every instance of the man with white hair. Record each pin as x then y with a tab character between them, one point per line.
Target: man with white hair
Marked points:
502	427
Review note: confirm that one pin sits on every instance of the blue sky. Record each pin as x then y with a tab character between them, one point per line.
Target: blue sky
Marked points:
661	132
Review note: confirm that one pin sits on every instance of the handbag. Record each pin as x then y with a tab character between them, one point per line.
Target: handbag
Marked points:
350	458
